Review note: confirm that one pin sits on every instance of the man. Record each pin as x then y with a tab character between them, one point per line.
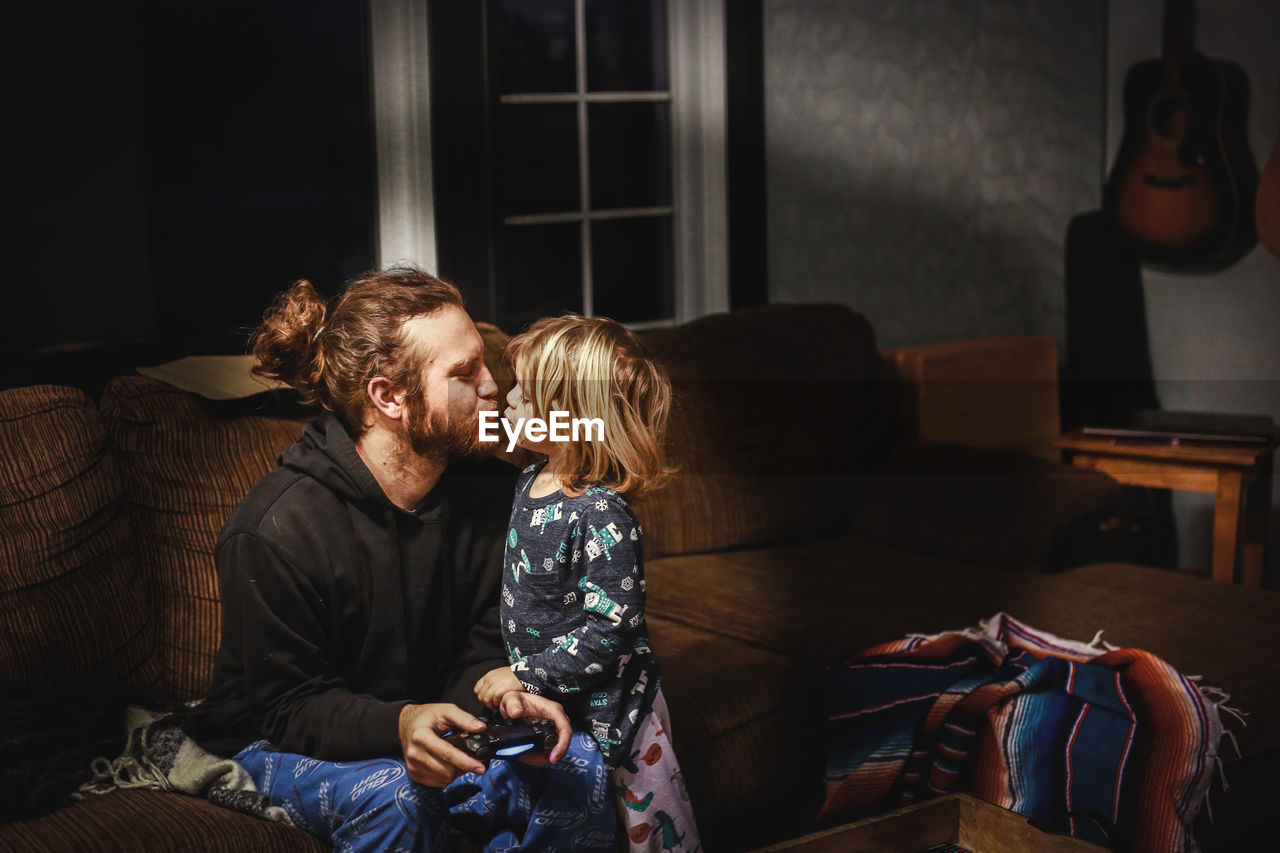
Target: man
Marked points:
359	587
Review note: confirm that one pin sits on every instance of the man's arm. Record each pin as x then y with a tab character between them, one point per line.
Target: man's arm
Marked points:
280	623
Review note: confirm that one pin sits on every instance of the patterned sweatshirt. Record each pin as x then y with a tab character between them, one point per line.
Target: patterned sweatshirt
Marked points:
572	613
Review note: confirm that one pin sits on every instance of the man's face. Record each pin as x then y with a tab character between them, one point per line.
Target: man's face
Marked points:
443	422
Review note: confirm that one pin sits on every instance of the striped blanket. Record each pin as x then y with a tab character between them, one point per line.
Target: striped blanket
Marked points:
1110	745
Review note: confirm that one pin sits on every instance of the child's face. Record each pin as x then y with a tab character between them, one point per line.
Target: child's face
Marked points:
518	407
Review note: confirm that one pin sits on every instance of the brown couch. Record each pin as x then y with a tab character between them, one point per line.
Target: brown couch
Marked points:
818	509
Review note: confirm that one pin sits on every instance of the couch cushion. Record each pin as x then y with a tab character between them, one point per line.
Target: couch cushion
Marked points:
864	593
186	464
72	600
744	722
131	820
775	410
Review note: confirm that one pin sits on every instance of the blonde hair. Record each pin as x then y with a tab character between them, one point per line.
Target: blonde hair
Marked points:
594	367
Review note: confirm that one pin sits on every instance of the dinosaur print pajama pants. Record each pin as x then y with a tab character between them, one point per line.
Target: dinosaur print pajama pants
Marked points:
653	803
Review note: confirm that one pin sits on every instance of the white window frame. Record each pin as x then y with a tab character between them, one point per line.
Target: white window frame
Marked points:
402	129
402	133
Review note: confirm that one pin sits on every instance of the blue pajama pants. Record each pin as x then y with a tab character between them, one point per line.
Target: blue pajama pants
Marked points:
373	806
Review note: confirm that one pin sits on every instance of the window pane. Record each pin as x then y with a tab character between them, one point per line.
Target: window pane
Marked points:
536	158
540	272
630	154
626	45
533	45
631	264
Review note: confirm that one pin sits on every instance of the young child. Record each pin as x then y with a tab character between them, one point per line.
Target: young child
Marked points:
573	590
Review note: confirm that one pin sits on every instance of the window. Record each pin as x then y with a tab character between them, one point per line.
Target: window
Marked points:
576	151
582	149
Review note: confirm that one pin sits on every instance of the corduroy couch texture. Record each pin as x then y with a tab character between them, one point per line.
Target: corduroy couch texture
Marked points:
800	528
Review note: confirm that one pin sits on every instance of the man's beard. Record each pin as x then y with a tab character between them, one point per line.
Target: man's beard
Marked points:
437	436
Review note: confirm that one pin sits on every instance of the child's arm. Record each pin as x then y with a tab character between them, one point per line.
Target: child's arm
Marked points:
609	560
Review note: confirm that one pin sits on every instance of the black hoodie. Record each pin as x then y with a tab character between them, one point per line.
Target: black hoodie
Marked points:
338	607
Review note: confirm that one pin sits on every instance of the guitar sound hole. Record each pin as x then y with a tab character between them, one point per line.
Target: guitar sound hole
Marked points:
1170	118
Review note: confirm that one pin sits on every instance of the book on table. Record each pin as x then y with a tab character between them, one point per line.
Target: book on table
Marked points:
1153	425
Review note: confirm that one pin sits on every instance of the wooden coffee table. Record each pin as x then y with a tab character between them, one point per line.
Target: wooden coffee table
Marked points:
1239	475
967	822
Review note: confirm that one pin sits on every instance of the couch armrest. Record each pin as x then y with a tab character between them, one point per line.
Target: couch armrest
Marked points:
998	508
997	392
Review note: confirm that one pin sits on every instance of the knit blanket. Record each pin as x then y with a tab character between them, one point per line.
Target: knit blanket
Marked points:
159	755
1111	745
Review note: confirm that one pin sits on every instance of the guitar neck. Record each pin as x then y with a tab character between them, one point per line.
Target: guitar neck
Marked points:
1179	24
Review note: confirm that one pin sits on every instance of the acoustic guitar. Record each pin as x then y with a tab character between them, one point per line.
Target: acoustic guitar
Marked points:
1182	187
1268	202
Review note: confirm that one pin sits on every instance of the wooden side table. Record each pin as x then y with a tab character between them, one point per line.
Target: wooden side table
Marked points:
1239	475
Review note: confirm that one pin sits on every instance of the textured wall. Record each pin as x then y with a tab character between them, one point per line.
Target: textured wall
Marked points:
1214	340
924	157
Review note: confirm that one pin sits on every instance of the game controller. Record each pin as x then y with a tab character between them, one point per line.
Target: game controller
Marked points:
507	739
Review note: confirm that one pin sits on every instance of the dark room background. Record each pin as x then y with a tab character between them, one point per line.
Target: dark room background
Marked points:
925	158
180	163
919	160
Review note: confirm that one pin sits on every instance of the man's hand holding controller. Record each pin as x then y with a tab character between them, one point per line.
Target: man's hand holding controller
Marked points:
435	762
